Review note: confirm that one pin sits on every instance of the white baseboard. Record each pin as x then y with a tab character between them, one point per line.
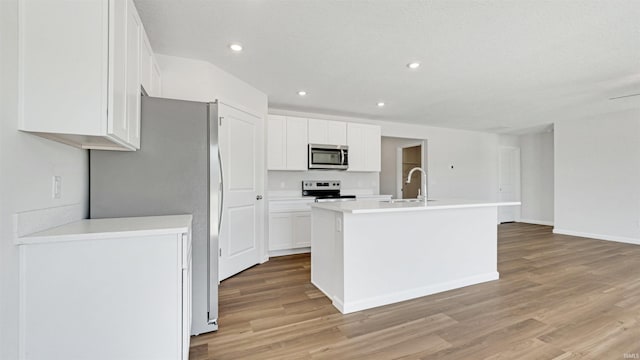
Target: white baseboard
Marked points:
368	303
536	222
285	252
621	239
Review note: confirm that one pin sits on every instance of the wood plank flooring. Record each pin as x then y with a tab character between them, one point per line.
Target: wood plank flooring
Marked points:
558	297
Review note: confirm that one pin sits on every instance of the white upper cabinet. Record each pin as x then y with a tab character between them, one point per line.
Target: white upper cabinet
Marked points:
156	80
297	144
149	69
286	143
364	147
80	72
276	146
146	65
327	132
134	43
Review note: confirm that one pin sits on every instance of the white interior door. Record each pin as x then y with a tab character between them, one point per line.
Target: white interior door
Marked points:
240	139
509	186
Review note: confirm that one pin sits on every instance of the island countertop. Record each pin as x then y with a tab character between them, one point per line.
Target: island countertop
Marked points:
372	206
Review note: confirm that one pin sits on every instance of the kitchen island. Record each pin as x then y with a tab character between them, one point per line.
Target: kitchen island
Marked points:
366	254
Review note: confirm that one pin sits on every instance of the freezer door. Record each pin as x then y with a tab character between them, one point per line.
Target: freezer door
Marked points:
216	199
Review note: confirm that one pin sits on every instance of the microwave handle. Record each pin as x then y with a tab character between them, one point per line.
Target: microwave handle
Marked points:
341	156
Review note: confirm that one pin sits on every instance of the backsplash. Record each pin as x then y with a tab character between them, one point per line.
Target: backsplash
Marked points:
356	183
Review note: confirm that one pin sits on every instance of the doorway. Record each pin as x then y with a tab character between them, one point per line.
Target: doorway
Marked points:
411	158
509	183
393	173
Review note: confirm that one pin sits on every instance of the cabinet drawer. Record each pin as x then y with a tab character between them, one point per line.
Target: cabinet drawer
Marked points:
290	205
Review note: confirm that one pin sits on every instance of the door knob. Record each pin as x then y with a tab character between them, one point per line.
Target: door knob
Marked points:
259	197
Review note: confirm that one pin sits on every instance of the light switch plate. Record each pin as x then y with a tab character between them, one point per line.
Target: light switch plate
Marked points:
57	187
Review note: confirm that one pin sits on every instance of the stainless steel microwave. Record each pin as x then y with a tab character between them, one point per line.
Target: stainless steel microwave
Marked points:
328	157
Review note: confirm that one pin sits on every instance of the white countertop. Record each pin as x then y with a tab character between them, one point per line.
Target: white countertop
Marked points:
312	198
92	229
372	206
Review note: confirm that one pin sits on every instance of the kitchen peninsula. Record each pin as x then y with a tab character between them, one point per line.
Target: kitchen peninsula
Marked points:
366	254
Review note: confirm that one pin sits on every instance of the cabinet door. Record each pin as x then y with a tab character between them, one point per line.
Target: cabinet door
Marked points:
301	230
280	236
355	140
63	68
156	79
118	45
134	27
372	139
317	131
336	133
276	142
187	275
296	144
146	64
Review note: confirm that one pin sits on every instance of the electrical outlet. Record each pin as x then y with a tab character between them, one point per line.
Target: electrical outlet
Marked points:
338	224
57	187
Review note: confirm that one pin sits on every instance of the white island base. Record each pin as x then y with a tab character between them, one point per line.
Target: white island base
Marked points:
368	254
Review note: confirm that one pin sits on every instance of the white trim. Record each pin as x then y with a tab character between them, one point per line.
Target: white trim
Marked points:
352	306
285	252
321	289
621	239
536	222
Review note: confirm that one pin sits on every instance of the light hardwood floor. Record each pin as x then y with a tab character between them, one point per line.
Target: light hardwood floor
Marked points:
558	297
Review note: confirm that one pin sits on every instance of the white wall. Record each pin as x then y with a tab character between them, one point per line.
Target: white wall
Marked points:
473	155
597	176
536	166
196	80
509	140
353	183
27	165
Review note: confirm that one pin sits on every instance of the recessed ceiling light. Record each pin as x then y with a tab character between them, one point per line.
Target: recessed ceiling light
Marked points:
302	93
413	65
380	104
235	47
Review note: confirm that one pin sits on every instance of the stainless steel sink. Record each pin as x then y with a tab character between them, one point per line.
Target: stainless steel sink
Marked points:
403	200
392	201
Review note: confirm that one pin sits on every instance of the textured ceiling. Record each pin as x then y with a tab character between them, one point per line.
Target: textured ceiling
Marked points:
486	65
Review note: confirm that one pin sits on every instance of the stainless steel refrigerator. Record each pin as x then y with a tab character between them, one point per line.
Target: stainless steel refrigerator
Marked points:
176	171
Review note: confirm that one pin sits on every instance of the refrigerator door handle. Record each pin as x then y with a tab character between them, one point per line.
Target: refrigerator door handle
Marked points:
221	190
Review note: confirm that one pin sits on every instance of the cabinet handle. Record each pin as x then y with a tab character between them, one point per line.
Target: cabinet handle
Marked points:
259	197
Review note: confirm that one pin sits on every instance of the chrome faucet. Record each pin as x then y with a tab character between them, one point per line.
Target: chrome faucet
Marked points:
422	194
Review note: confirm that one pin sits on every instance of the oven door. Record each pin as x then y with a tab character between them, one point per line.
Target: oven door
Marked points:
327	157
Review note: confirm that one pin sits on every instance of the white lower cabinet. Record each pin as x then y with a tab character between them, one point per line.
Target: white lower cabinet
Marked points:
289	230
301	229
107	289
280	231
289	225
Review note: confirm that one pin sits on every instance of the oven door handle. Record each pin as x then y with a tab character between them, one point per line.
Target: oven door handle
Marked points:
343	155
